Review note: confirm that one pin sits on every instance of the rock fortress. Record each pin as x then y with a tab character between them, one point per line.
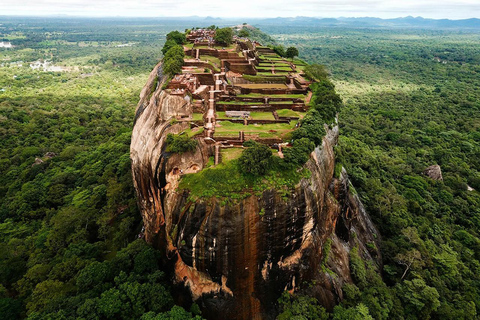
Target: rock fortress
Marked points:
235	254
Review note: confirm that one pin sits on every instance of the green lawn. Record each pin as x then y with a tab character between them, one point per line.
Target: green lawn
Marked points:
197	116
253	115
274	63
246	103
211	59
263	85
262	116
261	95
230	129
290	113
229	154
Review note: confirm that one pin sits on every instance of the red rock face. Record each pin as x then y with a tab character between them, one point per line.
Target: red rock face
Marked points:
234	262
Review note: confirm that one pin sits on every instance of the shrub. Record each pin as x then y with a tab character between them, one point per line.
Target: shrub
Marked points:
224	36
316	72
311	127
168	45
173	60
280	50
325	100
256	159
357	267
180	143
291	52
299	153
243	33
177	37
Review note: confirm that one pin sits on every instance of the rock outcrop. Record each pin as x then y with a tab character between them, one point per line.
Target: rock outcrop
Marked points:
234	261
434	172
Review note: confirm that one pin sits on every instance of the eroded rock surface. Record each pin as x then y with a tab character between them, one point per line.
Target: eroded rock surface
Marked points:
234	261
434	172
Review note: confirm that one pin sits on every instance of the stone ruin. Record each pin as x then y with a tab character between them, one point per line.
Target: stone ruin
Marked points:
244	83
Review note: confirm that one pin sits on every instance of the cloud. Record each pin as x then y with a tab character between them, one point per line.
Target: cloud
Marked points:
246	8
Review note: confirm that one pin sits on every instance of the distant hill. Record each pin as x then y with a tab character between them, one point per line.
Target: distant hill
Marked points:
416	22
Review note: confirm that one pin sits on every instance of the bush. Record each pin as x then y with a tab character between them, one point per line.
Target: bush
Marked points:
280	50
357	267
168	45
177	37
180	143
300	307
311	127
224	36
299	153
173	60
243	33
325	100
316	72
256	159
291	52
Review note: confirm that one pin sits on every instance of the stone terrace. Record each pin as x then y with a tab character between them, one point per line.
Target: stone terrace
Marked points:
240	92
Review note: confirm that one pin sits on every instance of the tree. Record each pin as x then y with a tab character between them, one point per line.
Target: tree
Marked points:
418	298
256	159
167	46
173	60
243	33
360	312
224	36
180	143
411	259
299	153
175	52
280	50
177	37
172	67
300	307
311	127
291	52
316	71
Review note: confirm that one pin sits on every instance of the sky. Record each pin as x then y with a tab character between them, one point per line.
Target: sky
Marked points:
451	9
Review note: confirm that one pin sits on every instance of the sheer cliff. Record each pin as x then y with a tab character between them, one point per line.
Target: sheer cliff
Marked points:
233	261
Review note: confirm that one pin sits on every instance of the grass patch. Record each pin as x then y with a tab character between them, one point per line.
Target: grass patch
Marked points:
273	63
229	154
262	116
265	77
246	103
212	60
192	133
263	85
290	113
227	182
197	117
283	69
271	130
261	95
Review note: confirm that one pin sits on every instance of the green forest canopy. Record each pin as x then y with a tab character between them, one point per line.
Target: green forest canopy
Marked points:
69	224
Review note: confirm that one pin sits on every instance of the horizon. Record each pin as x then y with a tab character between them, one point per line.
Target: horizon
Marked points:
383	9
209	17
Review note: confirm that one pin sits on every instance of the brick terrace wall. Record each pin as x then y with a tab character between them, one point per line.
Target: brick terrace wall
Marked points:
243	68
260	99
205	78
176	85
269	141
199	64
227	55
260	108
254	121
263	91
